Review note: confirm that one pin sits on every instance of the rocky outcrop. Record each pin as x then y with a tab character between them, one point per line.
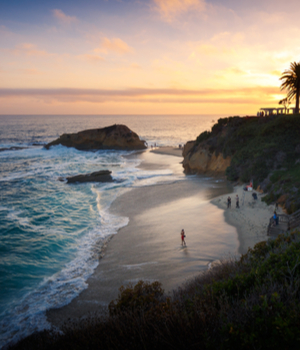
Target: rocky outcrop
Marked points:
15	148
118	137
97	176
199	160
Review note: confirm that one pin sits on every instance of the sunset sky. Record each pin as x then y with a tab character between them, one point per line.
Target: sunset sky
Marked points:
145	57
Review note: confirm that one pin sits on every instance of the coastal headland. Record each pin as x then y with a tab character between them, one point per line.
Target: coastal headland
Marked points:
148	248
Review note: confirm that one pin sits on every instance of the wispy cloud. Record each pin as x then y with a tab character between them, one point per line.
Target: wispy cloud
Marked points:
91	58
62	17
30	71
115	45
29	50
237	96
170	9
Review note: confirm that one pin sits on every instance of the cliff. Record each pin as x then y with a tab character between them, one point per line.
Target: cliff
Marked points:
265	150
118	137
198	159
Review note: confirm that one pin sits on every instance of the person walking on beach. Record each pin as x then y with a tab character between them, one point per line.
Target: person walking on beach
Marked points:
276	218
182	237
228	202
237	201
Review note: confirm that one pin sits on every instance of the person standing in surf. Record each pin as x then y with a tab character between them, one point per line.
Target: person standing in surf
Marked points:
182	237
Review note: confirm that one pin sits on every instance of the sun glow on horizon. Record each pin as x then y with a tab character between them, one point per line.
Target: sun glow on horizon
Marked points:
160	56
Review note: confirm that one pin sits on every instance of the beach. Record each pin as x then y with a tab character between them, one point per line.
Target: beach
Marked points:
251	219
149	247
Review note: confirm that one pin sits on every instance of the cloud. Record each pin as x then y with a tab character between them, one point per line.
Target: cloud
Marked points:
165	95
169	9
277	73
115	45
29	71
92	58
29	50
62	17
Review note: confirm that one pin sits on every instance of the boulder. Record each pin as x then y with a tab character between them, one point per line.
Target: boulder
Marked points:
97	176
118	137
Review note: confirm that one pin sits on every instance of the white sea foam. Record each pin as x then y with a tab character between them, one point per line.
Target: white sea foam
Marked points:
34	171
28	315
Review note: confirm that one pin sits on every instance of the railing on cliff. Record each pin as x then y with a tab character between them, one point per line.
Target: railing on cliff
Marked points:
285	223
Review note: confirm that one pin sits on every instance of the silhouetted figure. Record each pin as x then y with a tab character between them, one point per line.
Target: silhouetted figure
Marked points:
182	237
228	202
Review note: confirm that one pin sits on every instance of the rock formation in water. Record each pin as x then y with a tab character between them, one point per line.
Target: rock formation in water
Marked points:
97	176
118	137
198	159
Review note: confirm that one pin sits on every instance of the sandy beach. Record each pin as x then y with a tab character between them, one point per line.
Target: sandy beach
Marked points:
149	246
171	151
251	219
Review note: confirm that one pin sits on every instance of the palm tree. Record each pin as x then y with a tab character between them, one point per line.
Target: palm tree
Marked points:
291	82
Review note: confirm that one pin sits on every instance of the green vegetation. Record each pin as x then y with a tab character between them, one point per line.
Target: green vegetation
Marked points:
291	82
250	303
264	149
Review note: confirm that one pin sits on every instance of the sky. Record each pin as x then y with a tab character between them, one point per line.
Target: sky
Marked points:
145	56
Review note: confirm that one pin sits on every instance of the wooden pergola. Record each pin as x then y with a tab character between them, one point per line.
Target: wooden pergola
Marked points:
276	111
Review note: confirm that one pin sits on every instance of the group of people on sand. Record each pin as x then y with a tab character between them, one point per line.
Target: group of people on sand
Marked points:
237	202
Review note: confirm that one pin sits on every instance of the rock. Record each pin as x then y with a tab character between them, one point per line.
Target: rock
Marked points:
15	148
97	176
118	137
199	160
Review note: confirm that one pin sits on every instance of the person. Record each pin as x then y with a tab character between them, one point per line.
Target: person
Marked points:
237	201
228	202
275	217
182	237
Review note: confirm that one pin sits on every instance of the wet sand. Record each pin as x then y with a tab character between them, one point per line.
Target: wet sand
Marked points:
149	247
172	151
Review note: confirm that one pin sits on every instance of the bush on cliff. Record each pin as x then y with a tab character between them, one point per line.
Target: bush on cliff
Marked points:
264	149
250	303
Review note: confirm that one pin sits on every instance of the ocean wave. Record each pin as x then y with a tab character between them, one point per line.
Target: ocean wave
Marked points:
28	315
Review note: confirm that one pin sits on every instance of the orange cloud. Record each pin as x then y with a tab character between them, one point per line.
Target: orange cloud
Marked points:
277	73
115	45
164	95
91	58
62	17
169	9
29	71
29	50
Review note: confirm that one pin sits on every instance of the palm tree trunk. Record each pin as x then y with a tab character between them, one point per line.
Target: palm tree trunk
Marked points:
297	100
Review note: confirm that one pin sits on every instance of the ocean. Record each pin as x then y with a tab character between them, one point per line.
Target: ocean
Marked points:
51	233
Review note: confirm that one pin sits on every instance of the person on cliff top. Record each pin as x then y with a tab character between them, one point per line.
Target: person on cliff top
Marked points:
182	237
237	201
275	217
228	202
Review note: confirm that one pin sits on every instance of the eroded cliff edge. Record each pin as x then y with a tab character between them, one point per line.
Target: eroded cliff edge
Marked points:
118	137
198	159
265	150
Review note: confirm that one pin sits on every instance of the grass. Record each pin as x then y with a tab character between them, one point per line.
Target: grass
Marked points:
249	303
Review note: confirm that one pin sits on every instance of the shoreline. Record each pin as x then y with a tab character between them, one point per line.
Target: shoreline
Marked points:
147	249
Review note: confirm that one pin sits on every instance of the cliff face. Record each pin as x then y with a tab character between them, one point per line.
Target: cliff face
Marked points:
111	137
199	160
